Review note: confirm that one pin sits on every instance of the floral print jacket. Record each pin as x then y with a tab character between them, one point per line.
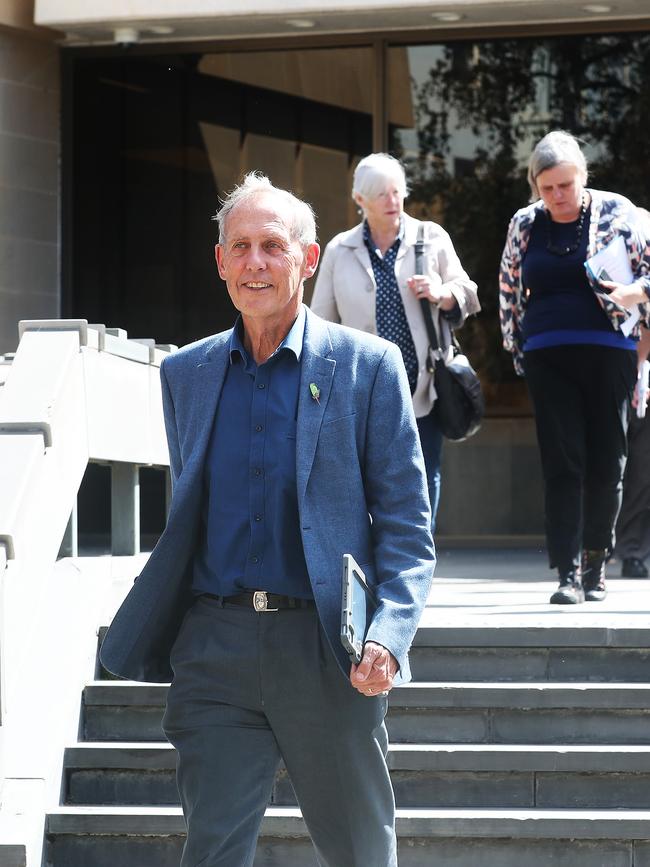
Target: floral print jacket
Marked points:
611	215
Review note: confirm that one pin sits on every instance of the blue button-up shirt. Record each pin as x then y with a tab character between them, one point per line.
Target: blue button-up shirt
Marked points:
251	529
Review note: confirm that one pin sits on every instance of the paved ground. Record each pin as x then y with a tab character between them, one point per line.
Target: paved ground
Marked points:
511	587
472	587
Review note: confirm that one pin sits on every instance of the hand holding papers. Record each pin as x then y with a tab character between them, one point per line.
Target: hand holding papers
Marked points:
612	264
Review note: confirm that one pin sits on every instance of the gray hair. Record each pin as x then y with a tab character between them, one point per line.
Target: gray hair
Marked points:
556	148
374	172
303	222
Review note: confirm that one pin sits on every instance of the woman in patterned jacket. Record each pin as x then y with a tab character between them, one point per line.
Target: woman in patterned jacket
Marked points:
367	280
573	338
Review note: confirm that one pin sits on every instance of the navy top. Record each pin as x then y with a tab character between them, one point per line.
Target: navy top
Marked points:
562	307
250	537
392	323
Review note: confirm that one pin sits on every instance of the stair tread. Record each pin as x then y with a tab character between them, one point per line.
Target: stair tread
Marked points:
497	757
421	822
457	694
546	637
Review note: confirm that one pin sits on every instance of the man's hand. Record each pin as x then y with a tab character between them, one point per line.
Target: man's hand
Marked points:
375	673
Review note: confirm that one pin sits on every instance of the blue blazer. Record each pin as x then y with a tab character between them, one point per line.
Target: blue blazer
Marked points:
361	490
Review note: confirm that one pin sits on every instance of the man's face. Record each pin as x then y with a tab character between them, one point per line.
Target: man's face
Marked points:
263	267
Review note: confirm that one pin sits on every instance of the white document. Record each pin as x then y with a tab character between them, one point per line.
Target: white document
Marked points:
630	322
612	263
642	388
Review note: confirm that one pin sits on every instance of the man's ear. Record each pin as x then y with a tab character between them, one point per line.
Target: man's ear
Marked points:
312	256
218	255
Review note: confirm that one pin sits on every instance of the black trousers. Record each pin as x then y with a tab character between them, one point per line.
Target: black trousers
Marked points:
633	527
581	397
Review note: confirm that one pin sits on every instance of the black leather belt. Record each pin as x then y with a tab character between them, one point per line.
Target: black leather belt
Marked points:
260	600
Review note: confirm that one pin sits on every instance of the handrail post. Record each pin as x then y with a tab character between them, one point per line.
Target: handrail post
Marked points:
125	509
70	542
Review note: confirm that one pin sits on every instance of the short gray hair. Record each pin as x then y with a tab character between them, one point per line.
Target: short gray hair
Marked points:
556	148
303	222
372	174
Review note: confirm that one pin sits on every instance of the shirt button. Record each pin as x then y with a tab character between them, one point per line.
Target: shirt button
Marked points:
257	471
258	427
255	559
261	385
258	517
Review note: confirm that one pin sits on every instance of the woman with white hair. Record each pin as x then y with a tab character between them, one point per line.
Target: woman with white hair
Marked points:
563	326
367	280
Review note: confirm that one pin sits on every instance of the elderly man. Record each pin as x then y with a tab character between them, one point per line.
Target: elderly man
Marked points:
292	441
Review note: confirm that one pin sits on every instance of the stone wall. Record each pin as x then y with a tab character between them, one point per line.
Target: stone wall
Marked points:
492	484
29	182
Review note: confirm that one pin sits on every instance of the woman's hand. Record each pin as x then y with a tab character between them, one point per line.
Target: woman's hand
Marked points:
424	286
624	296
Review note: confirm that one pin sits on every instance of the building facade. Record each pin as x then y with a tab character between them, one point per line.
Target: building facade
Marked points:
123	122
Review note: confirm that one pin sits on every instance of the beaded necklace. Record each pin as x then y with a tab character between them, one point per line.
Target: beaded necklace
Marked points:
564	251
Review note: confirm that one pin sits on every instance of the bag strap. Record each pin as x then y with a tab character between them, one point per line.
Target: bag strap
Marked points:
424	304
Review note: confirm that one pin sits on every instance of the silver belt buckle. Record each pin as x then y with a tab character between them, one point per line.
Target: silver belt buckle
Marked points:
261	601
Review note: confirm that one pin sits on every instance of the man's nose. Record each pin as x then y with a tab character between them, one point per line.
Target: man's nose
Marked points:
255	259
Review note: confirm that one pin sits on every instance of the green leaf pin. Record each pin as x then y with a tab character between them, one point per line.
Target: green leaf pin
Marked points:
315	392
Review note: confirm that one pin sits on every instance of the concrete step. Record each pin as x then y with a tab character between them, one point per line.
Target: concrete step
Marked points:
433	775
588	654
13	854
507	713
506	653
153	837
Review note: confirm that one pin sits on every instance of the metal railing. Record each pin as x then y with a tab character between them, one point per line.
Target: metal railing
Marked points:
72	394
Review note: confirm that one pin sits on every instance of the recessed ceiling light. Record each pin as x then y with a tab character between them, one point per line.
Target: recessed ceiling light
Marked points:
125	35
162	30
597	8
303	23
446	16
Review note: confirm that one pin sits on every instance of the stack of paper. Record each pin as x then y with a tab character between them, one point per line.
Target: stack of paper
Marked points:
612	263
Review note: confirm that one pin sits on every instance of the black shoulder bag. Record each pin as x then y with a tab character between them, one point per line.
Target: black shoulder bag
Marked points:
459	407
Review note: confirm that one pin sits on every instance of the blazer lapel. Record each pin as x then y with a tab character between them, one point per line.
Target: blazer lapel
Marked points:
317	370
205	382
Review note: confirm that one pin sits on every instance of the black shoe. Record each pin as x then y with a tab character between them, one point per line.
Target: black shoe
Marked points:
593	575
633	568
570	590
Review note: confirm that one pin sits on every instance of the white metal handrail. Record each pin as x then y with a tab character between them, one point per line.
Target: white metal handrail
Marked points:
73	393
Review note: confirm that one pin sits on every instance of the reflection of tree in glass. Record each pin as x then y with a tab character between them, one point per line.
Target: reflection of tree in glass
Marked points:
507	94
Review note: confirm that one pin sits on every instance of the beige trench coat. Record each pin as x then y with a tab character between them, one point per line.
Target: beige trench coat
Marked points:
345	290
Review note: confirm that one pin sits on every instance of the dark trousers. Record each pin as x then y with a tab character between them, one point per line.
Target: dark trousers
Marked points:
633	527
250	689
581	397
431	442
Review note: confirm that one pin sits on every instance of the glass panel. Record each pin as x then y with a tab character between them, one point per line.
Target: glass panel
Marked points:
476	109
158	139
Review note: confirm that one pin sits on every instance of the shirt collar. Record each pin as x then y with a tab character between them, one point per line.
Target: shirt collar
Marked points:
370	244
292	342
